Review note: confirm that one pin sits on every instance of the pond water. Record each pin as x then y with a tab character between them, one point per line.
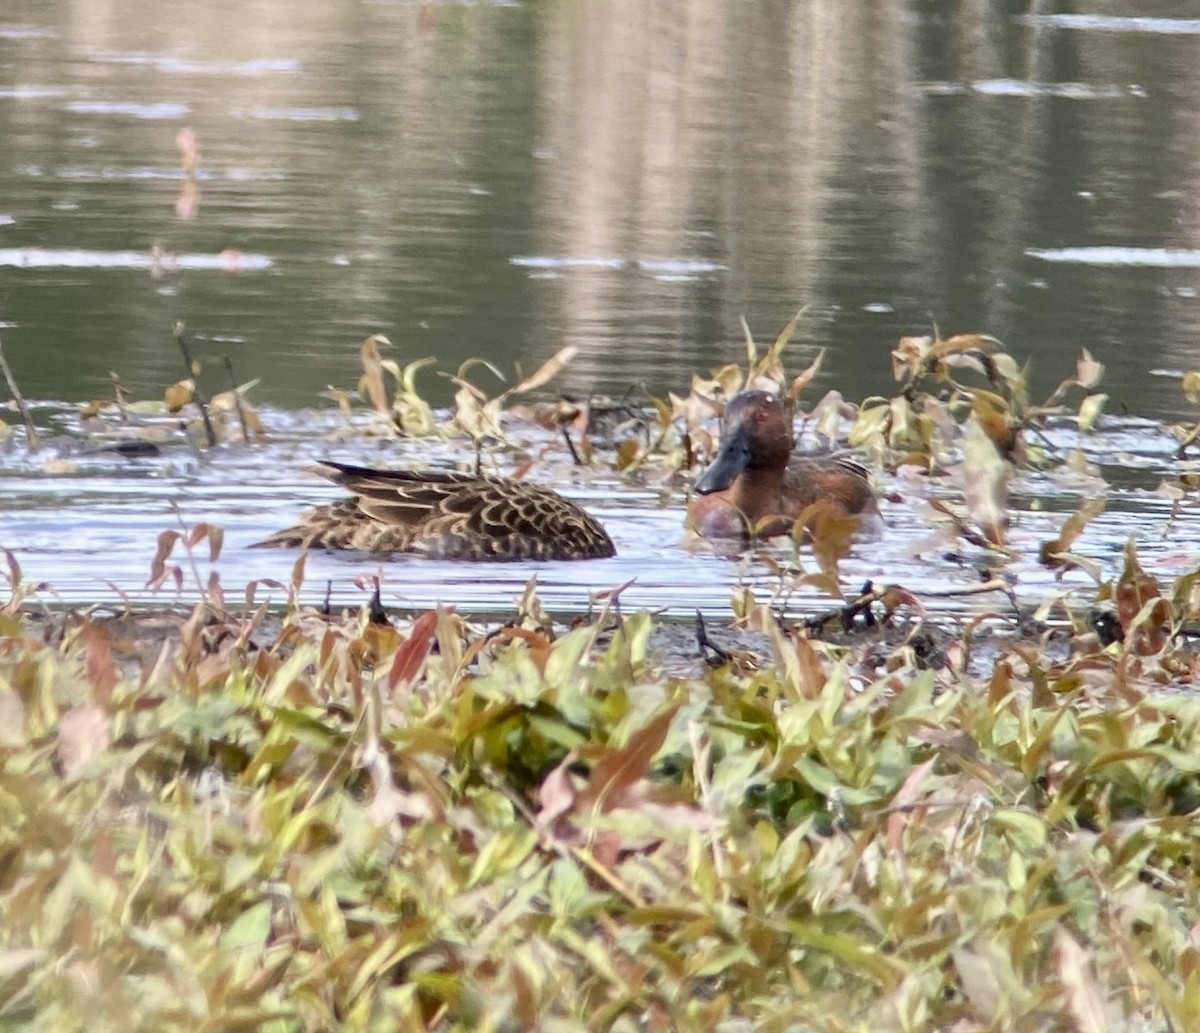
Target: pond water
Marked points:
498	179
86	519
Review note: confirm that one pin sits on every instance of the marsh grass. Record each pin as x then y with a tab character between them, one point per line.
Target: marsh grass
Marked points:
309	823
285	820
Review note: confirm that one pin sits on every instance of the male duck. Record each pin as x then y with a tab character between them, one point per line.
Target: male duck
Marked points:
447	516
755	488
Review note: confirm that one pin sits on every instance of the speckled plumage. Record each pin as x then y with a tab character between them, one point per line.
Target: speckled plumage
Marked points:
449	516
755	484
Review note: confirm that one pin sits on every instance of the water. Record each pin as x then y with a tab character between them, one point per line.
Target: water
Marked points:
86	520
500	179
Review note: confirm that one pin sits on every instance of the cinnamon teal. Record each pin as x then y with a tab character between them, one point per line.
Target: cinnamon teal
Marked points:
448	516
756	488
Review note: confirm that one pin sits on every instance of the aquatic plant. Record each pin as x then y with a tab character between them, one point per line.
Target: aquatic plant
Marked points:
276	817
294	820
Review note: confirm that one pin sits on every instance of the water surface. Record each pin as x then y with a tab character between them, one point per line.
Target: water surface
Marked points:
500	179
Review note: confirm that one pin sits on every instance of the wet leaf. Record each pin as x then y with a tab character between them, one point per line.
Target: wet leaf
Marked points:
371	383
1135	588
799	383
548	370
166	542
1088	371
1054	553
1090	410
986	477
180	394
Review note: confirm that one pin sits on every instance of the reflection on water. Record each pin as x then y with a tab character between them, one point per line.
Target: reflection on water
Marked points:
499	179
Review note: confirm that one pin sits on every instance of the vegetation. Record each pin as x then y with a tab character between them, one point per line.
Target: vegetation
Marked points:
296	820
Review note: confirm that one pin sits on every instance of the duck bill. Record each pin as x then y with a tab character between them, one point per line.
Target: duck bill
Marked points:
731	460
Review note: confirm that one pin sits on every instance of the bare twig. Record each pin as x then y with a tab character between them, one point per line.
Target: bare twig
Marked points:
30	429
121	396
196	392
570	445
237	398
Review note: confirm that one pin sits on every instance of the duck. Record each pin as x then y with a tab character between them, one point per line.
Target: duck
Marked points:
756	488
445	515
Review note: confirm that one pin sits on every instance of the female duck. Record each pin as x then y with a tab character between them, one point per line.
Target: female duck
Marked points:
447	516
755	488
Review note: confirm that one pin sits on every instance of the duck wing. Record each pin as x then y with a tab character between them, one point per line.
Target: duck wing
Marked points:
448	515
838	479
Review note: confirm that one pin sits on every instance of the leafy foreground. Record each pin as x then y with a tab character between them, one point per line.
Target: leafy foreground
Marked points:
315	823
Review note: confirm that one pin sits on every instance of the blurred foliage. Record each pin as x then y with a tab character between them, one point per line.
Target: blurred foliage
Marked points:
315	822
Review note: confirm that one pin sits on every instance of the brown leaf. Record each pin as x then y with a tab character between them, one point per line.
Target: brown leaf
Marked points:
1135	587
410	657
1145	615
908	793
166	542
557	794
908	357
179	394
214	592
992	412
371	382
1088	371
547	371
804	379
536	641
831	532
1051	552
98	661
986	483
810	671
628	452
619	769
961	344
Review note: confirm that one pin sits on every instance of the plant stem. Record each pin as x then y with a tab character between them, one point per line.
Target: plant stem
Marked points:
30	429
237	399
196	392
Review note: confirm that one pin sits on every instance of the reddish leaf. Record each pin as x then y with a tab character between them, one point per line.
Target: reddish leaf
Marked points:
899	819
537	642
98	661
409	658
158	565
557	794
1052	552
1135	587
619	769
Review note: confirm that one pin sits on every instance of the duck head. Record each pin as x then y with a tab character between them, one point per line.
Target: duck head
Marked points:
757	437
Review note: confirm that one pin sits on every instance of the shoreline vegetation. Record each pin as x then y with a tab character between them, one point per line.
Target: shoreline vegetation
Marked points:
282	817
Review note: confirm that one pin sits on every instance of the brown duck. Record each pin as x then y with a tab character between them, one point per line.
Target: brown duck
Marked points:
447	516
755	487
